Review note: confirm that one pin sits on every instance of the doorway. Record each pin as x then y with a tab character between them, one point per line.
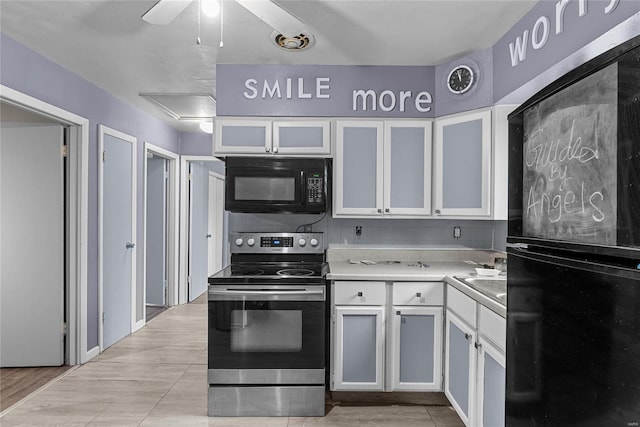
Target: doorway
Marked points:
116	234
76	231
160	230
32	236
195	259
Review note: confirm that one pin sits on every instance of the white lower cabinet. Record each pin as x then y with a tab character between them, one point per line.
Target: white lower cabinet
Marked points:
460	367
416	352
359	348
475	361
380	346
491	385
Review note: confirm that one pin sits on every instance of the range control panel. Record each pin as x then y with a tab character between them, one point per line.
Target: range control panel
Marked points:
303	243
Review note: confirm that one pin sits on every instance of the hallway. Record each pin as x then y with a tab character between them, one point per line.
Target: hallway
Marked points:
157	376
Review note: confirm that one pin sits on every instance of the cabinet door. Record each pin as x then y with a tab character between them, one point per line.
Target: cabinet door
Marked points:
359	348
491	385
407	168
301	137
460	367
358	168
462	178
416	360
235	136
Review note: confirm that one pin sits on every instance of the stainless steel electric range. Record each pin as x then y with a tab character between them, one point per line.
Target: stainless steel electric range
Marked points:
267	327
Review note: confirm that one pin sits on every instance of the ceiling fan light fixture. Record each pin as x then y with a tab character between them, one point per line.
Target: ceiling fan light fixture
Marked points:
294	43
206	127
210	8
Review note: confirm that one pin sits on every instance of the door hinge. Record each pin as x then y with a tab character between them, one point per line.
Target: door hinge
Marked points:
65	328
104	155
189	176
63	151
103	317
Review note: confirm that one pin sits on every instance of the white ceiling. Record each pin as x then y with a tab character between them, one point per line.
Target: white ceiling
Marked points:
108	44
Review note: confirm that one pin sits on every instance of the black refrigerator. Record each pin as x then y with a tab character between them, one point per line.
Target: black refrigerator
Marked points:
573	249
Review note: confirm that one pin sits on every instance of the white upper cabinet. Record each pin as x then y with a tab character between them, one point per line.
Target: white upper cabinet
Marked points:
383	168
407	168
302	137
238	136
462	165
358	184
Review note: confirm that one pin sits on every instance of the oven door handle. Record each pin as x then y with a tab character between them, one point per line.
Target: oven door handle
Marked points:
253	292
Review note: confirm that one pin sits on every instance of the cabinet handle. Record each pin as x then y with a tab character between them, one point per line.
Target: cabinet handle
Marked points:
437	211
387	210
267	149
399	313
379	210
467	336
419	295
359	294
275	150
478	346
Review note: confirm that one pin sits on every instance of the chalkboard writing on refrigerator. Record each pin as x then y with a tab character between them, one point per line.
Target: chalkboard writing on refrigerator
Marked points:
569	162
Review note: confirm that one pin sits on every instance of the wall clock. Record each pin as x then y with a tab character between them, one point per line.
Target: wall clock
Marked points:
460	79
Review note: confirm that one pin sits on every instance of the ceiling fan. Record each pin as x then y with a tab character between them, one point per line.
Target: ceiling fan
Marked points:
165	11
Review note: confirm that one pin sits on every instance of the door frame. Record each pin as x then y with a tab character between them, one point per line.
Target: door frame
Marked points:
102	130
76	351
172	221
220	227
184	226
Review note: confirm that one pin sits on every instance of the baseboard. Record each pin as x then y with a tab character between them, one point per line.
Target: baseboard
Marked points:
91	354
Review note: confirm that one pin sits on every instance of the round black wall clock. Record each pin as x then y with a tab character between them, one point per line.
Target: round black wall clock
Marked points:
460	79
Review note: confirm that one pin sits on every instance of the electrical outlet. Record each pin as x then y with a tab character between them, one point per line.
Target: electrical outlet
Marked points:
358	231
457	232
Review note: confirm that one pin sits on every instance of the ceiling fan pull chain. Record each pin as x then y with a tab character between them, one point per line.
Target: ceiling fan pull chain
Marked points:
221	21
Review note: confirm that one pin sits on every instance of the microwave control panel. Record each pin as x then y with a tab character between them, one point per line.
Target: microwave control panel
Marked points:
315	188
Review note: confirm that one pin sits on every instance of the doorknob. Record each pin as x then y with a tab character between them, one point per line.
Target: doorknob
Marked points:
130	245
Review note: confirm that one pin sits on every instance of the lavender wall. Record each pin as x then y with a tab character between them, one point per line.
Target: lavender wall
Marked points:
431	233
578	32
196	144
28	72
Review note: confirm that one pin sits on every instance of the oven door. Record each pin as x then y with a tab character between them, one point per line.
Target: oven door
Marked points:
266	334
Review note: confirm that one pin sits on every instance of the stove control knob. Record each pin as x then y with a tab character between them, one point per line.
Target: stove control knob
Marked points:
302	242
251	242
239	242
314	242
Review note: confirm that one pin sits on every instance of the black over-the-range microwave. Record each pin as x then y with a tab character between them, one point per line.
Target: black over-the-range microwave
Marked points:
277	184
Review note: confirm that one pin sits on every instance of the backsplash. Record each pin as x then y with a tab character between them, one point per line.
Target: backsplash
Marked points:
429	233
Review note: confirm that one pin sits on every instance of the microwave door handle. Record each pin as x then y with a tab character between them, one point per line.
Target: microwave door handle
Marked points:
303	189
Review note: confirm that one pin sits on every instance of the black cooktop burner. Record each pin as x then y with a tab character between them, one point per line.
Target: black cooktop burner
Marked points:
295	272
246	270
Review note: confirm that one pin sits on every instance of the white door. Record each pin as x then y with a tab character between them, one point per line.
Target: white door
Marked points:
156	245
118	234
198	224
31	246
216	212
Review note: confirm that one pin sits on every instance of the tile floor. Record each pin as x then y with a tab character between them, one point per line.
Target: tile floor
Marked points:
157	376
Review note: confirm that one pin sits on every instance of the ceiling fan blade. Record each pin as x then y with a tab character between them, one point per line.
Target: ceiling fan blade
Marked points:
164	11
274	16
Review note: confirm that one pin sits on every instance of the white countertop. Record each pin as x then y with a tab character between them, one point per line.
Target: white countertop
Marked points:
403	271
408	269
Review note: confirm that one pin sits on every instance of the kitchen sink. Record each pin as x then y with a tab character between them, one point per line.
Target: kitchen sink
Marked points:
493	287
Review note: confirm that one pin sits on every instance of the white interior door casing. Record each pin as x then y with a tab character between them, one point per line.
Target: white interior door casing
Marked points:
198	225
215	223
32	246
117	235
156	240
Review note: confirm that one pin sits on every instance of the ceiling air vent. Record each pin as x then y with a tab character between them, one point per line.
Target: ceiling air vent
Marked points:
294	43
